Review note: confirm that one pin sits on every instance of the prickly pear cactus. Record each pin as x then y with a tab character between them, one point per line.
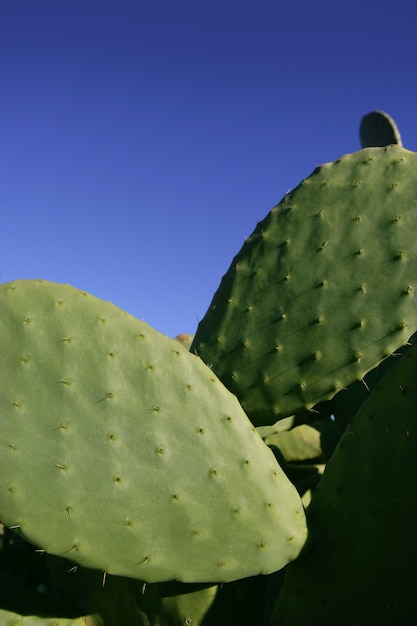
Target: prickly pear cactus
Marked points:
8	618
322	291
123	452
362	564
299	444
182	604
378	129
185	340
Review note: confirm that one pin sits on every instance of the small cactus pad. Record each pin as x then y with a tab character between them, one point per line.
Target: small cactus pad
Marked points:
185	604
361	567
322	291
378	129
298	444
8	618
185	340
121	451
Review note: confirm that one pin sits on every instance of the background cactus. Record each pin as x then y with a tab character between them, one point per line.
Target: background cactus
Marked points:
362	519
185	340
127	463
13	619
378	129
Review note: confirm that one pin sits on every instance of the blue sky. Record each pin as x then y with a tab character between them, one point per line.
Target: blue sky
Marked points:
141	141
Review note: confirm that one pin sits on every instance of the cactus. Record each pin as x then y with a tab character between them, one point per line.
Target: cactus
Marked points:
378	129
130	448
298	444
185	340
8	618
297	317
363	518
150	498
181	604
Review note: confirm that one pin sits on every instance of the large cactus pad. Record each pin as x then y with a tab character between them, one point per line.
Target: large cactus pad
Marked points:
123	452
323	290
362	564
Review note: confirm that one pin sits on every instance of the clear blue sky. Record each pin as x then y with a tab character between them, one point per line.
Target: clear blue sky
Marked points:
142	140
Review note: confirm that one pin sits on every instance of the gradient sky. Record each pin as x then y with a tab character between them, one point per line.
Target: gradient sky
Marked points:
141	141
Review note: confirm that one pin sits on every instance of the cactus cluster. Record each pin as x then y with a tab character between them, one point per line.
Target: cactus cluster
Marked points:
260	471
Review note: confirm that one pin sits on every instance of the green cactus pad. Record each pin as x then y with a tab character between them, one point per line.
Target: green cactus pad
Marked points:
298	444
185	340
362	564
7	618
182	604
322	291
378	129
121	451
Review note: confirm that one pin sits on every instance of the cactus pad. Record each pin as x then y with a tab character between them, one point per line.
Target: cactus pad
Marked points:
121	451
362	564
7	618
322	291
378	129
